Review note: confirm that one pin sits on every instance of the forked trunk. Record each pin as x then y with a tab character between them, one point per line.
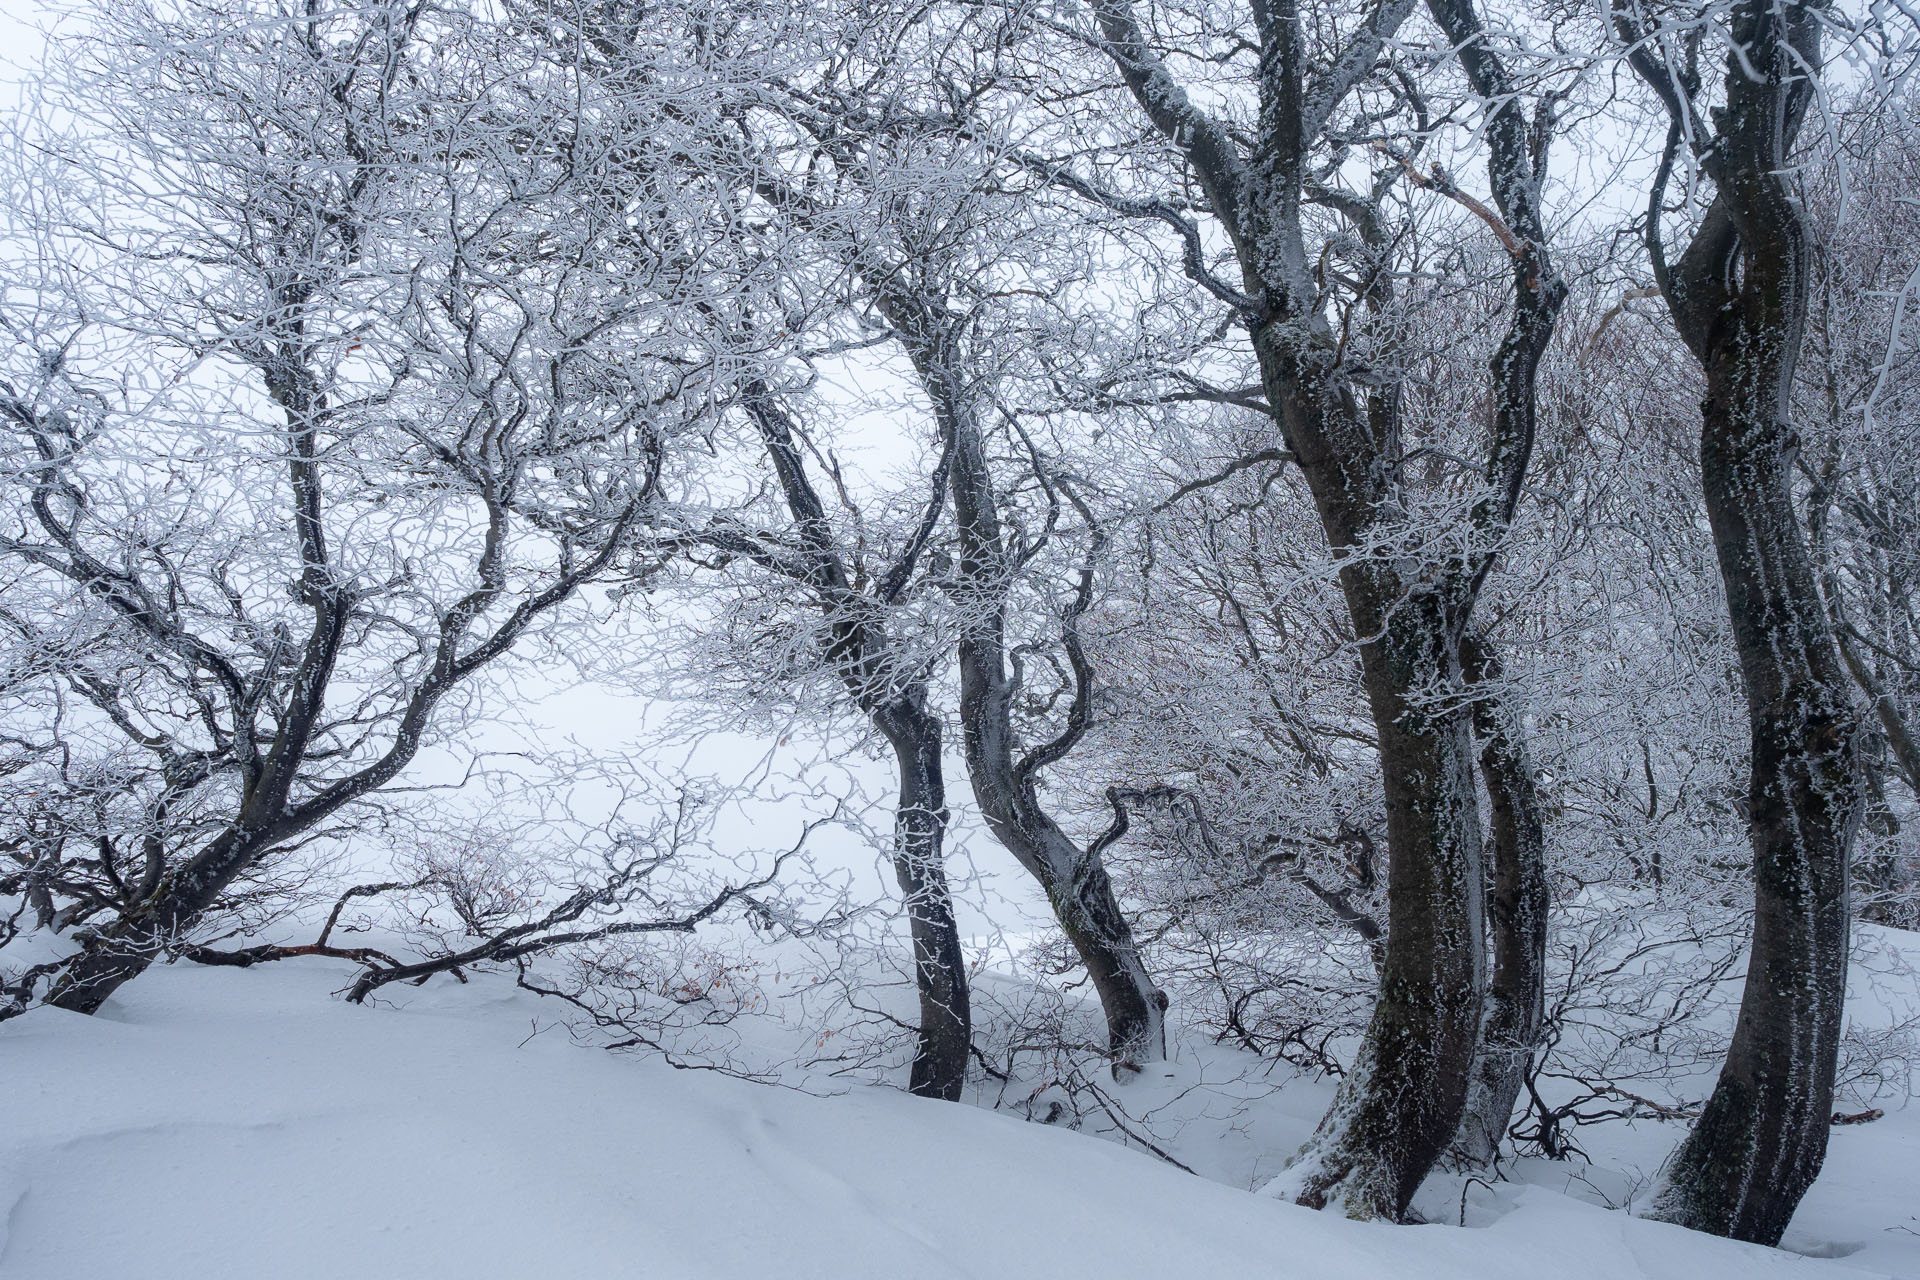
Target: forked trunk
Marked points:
124	949
1004	783
1397	1110
1074	878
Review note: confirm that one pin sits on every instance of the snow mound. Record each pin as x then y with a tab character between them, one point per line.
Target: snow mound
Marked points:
214	1123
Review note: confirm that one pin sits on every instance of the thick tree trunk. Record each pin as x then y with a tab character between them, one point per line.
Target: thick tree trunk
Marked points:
1399	1106
939	968
1517	905
119	954
1738	297
1762	1136
1399	1109
124	949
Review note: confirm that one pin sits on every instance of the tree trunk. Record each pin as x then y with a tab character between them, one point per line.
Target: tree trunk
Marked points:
1399	1106
1517	905
1077	886
1762	1136
1004	784
1074	878
120	953
939	968
124	949
859	650
1738	297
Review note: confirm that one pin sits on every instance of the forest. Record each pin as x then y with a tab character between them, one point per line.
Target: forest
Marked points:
1005	550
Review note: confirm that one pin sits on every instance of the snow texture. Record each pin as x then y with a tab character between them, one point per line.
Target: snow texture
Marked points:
216	1123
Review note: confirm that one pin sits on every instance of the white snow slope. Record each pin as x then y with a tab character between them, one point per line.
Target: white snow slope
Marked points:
213	1123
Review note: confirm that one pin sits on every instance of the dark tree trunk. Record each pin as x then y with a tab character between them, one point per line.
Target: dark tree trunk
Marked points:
1738	296
1400	1105
939	969
1005	785
121	952
1398	1109
1762	1136
1517	904
860	651
125	948
1517	899
1074	877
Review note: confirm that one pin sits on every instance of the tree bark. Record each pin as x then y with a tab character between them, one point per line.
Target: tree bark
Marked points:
1396	1112
1075	878
1398	1108
125	948
116	956
1517	900
1762	1136
859	652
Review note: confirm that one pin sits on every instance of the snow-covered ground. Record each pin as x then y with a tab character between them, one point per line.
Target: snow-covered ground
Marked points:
220	1123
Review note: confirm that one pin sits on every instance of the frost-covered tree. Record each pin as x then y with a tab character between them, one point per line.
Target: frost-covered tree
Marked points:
1738	295
1298	98
1854	401
905	164
348	347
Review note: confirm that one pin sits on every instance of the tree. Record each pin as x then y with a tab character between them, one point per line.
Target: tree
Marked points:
1517	903
885	677
836	584
346	367
1738	295
1853	400
1410	601
902	172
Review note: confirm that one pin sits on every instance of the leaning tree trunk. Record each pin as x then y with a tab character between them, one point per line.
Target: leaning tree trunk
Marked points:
1005	785
1074	878
939	968
1517	904
1738	297
860	650
1077	885
117	955
120	951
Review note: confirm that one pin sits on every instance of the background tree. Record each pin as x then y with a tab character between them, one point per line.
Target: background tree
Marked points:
904	169
340	375
1854	401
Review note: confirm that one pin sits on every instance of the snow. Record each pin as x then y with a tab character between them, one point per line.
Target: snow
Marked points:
213	1123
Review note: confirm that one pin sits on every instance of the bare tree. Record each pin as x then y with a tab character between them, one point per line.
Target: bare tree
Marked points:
1853	399
1517	904
918	212
345	377
885	677
1738	295
1339	419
